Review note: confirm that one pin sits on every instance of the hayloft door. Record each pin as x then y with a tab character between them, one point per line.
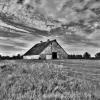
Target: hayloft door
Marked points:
54	55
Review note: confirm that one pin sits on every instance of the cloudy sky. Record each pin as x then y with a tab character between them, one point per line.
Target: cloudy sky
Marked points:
80	34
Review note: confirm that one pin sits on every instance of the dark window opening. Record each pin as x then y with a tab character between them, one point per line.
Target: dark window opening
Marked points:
54	55
20	1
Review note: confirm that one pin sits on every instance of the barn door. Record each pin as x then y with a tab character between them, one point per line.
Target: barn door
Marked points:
54	55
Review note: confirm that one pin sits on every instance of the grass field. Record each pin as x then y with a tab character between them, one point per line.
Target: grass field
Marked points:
50	80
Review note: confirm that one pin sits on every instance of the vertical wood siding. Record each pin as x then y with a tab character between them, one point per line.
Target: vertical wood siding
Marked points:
55	47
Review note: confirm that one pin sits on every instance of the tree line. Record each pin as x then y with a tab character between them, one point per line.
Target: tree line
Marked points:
11	58
86	55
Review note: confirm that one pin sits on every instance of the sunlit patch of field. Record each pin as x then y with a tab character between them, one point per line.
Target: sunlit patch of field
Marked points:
50	80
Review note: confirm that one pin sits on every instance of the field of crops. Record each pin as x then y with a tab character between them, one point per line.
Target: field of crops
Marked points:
50	80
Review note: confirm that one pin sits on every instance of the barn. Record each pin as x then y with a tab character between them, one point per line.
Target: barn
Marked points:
50	49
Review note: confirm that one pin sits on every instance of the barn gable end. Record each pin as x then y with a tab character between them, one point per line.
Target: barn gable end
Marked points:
54	47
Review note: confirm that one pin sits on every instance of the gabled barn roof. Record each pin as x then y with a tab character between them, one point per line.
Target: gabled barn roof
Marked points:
38	48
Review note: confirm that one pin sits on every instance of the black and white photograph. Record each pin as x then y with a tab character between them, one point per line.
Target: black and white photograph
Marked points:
49	49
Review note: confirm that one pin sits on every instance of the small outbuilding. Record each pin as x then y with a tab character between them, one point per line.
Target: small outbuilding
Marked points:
46	50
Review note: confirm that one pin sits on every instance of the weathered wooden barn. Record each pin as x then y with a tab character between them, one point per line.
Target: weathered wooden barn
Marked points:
46	50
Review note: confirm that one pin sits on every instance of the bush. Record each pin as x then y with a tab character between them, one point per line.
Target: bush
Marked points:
86	55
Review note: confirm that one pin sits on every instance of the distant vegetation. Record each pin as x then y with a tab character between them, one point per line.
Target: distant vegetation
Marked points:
10	58
86	55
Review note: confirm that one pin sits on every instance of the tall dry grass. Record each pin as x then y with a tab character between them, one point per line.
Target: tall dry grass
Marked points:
29	80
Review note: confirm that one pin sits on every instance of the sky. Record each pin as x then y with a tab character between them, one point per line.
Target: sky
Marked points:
83	35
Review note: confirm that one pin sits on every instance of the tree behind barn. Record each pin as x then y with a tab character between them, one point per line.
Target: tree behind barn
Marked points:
86	55
97	55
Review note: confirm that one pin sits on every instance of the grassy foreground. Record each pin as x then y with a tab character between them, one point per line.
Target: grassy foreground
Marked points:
32	80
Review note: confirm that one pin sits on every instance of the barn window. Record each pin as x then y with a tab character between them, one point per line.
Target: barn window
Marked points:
20	1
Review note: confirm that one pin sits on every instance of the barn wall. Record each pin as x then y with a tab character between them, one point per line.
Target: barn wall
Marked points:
48	56
42	56
31	57
55	47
